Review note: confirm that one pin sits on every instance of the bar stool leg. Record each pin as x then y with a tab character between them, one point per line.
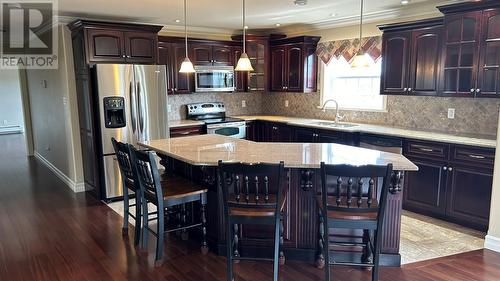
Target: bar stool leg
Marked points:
281	231
236	242
229	250
320	258
277	252
160	235
138	217
125	211
204	246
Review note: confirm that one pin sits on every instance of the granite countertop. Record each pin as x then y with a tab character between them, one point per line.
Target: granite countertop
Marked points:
207	150
184	123
464	139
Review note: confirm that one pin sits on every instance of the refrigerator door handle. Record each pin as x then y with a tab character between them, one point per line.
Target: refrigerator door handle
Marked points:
132	111
140	111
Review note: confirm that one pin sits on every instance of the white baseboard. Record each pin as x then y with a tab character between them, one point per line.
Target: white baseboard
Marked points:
75	186
492	243
4	130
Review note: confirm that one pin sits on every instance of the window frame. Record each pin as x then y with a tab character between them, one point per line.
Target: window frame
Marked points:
321	79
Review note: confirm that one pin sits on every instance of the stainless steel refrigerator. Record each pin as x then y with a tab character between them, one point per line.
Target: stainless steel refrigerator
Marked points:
132	107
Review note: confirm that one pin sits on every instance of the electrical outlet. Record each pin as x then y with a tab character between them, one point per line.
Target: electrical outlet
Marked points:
243	103
169	108
451	113
44	84
5	122
286	103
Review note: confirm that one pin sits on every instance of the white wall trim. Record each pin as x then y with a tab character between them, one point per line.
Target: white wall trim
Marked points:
75	186
492	243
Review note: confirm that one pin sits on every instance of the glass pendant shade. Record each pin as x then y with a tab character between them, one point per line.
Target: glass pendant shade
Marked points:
361	60
244	63
187	66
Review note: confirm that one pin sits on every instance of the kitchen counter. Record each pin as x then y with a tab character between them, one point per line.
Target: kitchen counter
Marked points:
207	150
463	139
196	158
184	123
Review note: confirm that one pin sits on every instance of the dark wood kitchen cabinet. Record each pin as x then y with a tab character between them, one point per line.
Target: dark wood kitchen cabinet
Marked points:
252	130
411	58
470	51
118	43
454	182
311	135
211	54
172	54
276	132
294	64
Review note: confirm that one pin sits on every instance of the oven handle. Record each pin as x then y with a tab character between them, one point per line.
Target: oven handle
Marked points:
225	125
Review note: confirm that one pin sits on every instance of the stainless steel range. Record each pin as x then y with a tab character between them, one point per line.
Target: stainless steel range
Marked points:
214	116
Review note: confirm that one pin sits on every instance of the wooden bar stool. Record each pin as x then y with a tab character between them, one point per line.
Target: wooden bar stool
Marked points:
349	201
128	183
170	192
252	194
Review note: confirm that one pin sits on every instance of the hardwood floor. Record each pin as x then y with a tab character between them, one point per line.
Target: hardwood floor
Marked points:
49	233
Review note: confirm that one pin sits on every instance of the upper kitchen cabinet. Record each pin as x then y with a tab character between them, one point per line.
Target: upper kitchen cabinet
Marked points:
471	49
106	42
294	64
211	54
172	54
411	58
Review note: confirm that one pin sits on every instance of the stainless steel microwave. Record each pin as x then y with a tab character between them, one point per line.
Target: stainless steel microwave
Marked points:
214	78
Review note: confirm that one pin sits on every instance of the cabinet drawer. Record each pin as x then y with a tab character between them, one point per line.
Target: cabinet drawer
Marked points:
434	150
186	131
473	155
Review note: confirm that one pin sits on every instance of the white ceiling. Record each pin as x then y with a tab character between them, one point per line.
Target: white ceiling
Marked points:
225	15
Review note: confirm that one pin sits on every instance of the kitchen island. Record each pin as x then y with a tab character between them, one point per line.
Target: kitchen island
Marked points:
196	158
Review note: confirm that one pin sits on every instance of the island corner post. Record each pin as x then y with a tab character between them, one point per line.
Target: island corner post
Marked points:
300	218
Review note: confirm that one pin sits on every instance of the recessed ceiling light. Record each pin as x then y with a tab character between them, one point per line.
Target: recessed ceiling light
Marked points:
177	21
333	15
246	26
278	25
300	2
404	2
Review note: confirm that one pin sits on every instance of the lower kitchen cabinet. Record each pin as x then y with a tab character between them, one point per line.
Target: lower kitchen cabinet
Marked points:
453	182
275	132
323	136
186	131
252	132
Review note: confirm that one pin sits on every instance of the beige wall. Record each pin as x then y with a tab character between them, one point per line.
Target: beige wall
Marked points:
493	237
54	115
11	111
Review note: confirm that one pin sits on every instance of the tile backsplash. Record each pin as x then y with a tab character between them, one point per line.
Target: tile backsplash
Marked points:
232	102
472	116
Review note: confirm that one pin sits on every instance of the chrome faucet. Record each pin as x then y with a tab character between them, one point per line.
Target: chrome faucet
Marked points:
337	116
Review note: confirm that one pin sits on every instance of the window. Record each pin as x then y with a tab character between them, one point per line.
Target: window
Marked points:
352	88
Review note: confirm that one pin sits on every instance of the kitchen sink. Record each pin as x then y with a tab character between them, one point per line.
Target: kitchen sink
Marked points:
332	124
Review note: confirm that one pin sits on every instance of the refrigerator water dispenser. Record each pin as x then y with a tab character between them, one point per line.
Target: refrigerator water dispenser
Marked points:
114	112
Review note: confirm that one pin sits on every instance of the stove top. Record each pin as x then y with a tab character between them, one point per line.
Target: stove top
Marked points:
221	120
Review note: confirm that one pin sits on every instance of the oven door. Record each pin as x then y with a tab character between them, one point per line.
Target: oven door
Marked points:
234	129
212	80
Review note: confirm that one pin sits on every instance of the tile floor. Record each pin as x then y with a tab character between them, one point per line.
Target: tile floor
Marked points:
422	237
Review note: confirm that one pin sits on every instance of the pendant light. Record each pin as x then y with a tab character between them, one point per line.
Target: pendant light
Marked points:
187	65
361	59
244	63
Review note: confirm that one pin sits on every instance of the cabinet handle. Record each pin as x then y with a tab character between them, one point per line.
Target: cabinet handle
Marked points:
445	168
128	56
123	56
450	169
478	91
476	156
175	89
472	91
405	89
426	149
410	89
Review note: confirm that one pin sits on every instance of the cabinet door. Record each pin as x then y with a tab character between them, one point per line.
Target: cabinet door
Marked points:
424	67
331	137
294	68
183	82
251	133
305	135
310	70
240	76
202	54
489	62
284	133
221	55
424	190
395	56
469	196
257	52
460	54
141	47
278	69
165	58
105	45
